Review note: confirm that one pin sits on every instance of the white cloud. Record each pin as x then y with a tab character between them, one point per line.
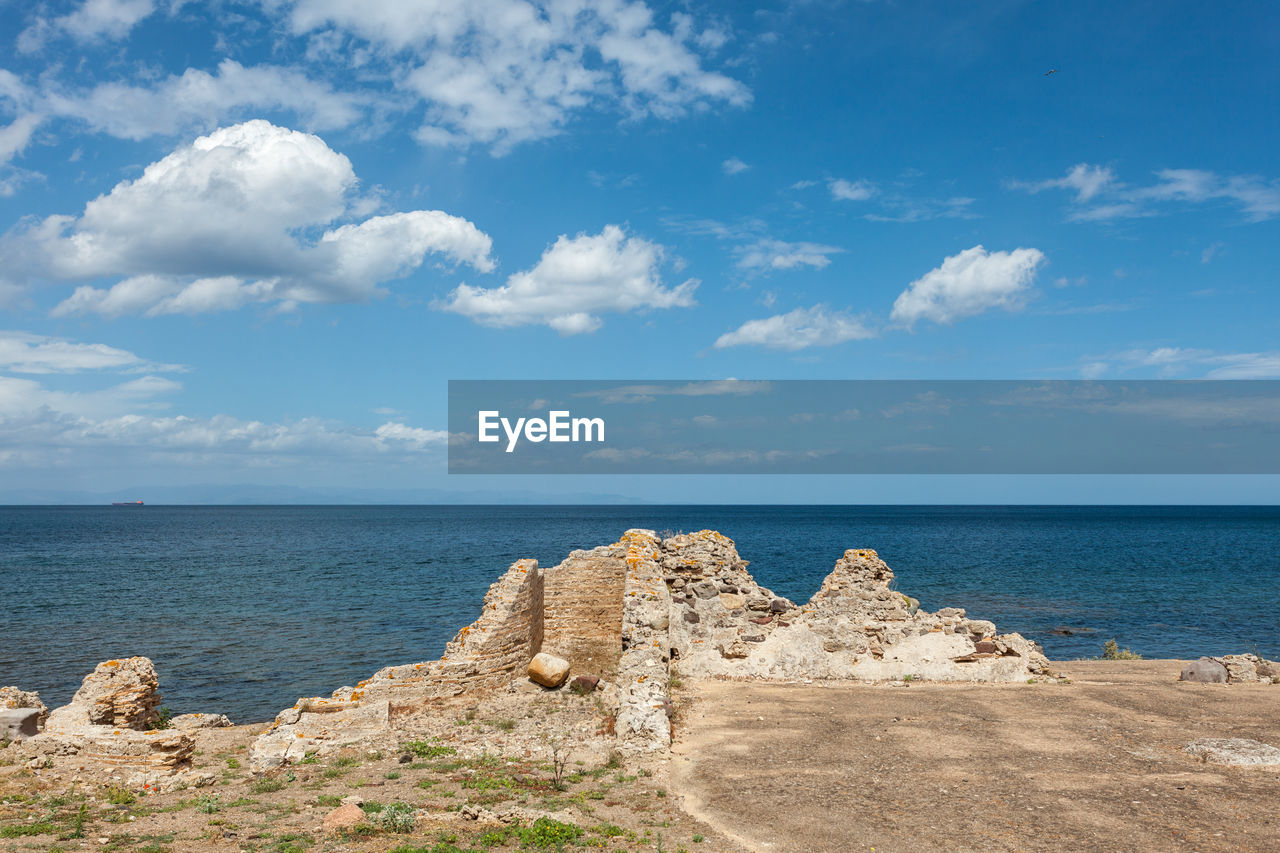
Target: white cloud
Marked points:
968	283
769	254
216	224
198	100
92	21
1084	180
24	352
1169	362
797	330
734	166
576	279
15	136
411	436
843	190
506	71
1257	197
41	428
755	250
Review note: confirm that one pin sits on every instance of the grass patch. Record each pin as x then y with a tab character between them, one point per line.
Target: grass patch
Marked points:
22	830
427	749
266	786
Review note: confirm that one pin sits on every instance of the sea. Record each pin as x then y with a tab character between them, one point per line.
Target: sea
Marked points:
245	609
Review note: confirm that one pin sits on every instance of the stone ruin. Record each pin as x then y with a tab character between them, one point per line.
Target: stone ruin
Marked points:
625	616
110	724
633	611
107	725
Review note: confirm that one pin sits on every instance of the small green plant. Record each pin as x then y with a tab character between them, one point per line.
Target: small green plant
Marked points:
1111	651
396	817
208	804
426	749
697	838
502	725
331	800
908	678
118	795
393	775
266	786
609	830
546	832
78	821
162	720
233	763
559	761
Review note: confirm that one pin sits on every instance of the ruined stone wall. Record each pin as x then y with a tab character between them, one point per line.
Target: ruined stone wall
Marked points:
856	626
583	609
485	655
488	653
644	707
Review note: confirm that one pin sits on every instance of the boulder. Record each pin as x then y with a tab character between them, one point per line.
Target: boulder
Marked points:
343	817
19	723
548	670
123	694
1205	671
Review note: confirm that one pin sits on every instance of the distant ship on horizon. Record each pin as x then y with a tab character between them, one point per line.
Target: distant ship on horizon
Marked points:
126	503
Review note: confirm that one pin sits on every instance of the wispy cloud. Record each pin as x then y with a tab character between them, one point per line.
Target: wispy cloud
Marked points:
25	352
1184	362
1099	196
757	252
734	166
799	329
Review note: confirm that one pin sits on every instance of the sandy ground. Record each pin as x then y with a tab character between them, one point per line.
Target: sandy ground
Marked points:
1096	764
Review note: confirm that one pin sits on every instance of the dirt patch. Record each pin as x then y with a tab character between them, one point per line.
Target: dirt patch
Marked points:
461	775
1096	764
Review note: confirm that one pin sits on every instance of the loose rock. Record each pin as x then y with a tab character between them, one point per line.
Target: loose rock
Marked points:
343	817
548	670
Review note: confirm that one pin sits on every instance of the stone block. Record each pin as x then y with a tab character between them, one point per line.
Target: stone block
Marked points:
17	723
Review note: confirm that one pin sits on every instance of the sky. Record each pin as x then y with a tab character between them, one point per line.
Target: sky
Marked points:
250	242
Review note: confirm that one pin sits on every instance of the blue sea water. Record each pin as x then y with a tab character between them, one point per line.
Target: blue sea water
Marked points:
244	609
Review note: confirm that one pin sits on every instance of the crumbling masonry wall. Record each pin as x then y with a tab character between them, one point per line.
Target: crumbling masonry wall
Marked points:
484	655
583	609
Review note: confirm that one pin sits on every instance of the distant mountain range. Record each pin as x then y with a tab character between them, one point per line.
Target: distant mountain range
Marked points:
254	494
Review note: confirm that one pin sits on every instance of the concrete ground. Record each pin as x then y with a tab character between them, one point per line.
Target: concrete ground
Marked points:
1093	765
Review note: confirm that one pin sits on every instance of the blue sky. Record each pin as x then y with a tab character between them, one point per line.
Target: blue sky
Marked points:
249	242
